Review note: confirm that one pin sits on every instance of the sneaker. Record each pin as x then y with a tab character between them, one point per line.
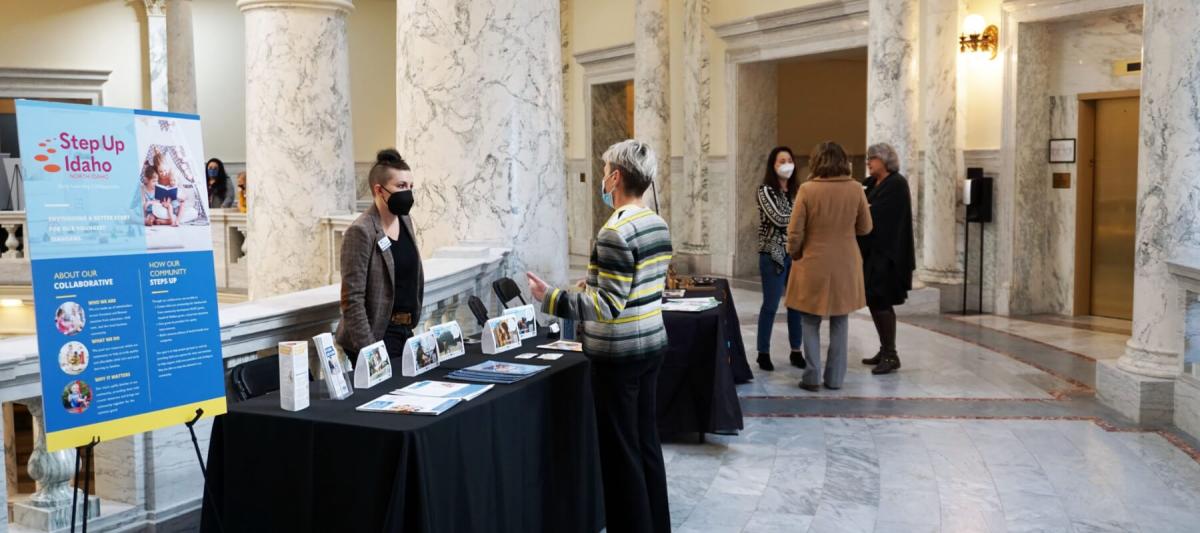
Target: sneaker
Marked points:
764	362
797	359
887	366
874	360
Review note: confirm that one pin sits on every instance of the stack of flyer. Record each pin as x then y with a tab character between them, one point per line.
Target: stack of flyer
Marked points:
496	372
409	404
444	389
690	305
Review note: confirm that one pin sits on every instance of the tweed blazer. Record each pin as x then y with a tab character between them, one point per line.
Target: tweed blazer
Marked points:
368	279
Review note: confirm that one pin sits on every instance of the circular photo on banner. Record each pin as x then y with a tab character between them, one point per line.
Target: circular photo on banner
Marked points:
73	358
69	319
76	397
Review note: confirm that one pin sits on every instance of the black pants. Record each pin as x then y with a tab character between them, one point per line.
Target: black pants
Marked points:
395	338
631	462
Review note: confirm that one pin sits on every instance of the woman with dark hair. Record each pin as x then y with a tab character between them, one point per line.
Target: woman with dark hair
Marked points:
383	283
220	190
888	255
830	210
775	197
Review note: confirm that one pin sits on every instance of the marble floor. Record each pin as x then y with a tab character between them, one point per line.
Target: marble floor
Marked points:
990	426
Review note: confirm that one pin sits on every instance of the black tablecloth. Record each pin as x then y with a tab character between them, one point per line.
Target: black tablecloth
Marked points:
705	357
522	457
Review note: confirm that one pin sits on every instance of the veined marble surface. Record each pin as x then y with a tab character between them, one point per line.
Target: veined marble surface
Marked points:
757	84
1168	184
693	191
892	85
610	125
1084	49
652	95
299	152
156	37
181	57
479	118
941	141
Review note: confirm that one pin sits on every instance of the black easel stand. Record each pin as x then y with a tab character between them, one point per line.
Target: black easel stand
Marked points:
967	263
90	451
212	503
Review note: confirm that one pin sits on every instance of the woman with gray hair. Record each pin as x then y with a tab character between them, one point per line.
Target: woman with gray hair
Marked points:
887	252
620	305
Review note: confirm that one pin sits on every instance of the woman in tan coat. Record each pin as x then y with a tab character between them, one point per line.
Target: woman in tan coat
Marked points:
830	211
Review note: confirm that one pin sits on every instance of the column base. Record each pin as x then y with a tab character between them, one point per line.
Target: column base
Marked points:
951	296
1148	401
940	277
53	518
924	301
1187	405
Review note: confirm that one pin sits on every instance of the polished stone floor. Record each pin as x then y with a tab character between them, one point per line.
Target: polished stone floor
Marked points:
991	426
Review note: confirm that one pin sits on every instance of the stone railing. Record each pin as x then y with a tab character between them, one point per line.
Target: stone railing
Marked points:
147	479
1185	268
229	249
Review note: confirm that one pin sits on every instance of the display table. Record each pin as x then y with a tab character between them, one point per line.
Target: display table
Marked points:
522	457
705	358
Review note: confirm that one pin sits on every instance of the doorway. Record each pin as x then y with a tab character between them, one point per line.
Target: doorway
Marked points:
1107	222
612	122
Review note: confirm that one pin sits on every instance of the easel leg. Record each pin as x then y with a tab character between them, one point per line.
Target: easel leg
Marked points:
212	502
84	455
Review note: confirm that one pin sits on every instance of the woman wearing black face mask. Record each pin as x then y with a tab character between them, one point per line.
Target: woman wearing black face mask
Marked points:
220	188
382	281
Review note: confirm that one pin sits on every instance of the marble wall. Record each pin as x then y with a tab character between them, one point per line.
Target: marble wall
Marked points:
299	148
757	110
491	170
1055	63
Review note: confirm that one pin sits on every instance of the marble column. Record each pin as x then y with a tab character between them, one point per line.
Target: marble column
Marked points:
479	103
943	166
696	102
299	157
156	36
652	93
892	76
181	57
1168	218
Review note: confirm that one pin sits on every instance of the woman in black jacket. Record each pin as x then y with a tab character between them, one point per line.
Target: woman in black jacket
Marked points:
887	252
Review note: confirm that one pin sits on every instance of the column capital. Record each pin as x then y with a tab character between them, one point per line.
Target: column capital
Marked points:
346	6
156	8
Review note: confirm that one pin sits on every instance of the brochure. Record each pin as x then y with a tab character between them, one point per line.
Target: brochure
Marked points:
690	305
449	340
569	346
497	372
331	367
409	404
444	389
526	320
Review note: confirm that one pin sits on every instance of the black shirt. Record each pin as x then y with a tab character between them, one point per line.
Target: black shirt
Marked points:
404	255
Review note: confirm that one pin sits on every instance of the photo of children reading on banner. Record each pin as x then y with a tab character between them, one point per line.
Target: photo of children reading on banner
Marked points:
173	192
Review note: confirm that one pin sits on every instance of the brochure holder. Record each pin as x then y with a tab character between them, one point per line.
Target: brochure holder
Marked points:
500	335
449	340
526	316
420	355
373	366
337	384
293	375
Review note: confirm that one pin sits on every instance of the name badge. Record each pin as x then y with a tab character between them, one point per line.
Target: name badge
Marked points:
385	244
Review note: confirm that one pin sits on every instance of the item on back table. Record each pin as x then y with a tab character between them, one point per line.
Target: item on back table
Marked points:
702	281
674	293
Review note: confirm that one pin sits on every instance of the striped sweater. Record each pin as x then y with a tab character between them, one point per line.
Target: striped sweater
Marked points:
621	306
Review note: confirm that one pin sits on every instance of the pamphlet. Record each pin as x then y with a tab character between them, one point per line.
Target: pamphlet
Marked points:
449	340
690	305
409	404
373	367
551	356
569	346
500	334
497	372
444	389
526	320
293	375
331	367
420	355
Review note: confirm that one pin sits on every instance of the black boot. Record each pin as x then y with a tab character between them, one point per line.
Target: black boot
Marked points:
764	361
889	364
874	360
798	361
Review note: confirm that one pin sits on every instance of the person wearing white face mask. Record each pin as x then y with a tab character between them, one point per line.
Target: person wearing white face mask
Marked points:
775	197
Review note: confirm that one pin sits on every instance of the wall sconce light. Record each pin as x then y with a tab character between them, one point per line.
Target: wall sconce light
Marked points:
978	38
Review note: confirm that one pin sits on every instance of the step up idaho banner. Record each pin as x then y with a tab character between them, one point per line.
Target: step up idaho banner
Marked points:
121	250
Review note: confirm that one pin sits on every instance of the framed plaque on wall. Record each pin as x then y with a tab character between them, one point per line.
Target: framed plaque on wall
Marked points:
1062	150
